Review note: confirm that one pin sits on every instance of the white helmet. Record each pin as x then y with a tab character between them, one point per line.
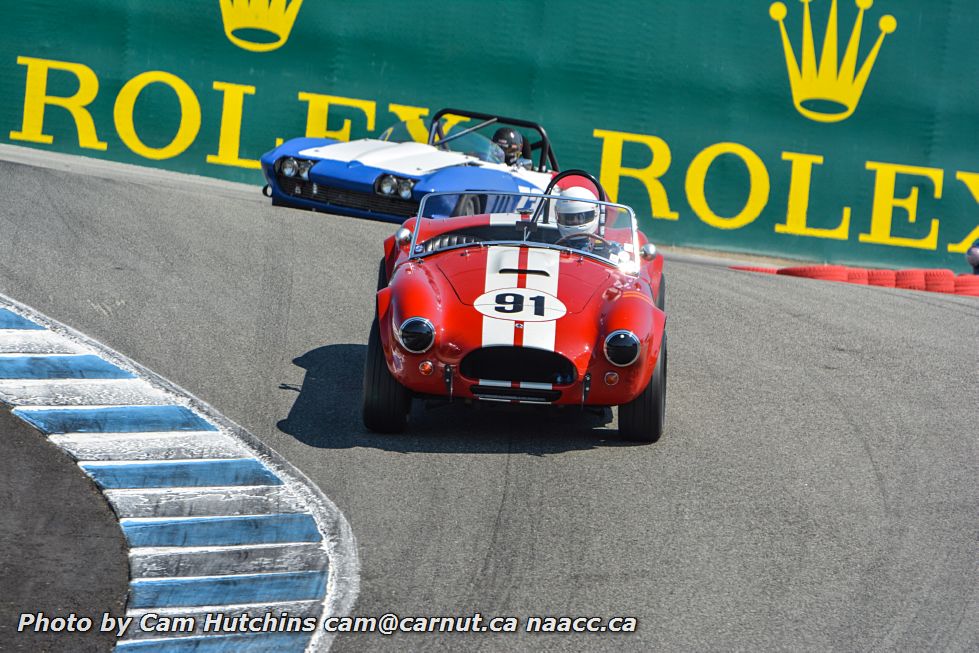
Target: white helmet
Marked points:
576	211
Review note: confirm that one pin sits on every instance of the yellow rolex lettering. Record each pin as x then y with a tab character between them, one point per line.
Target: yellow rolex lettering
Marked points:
190	115
612	169
760	186
318	114
229	139
413	119
36	98
971	181
798	210
882	217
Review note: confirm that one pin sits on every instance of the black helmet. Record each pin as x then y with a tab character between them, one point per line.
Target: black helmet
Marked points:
511	142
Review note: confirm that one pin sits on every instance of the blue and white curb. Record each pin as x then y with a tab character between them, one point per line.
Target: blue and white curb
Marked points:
216	522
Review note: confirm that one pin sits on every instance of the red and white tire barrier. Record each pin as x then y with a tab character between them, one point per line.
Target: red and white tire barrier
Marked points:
967	284
752	268
940	281
858	276
910	279
822	272
882	278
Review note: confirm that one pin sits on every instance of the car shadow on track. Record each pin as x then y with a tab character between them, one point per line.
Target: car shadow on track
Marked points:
327	414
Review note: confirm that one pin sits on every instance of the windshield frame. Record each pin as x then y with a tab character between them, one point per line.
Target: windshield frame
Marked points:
414	253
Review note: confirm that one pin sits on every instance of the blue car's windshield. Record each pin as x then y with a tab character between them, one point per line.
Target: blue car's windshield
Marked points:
472	144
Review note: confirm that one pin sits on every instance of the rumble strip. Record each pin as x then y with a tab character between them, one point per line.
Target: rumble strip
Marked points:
216	521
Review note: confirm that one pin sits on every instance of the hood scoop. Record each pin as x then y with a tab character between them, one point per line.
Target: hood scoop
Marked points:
542	273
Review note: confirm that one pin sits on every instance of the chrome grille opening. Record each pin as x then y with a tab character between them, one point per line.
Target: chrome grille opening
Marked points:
520	364
523	395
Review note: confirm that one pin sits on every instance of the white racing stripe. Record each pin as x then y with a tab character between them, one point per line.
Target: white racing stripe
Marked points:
400	158
507	219
503	219
542	335
499	332
547	260
539	335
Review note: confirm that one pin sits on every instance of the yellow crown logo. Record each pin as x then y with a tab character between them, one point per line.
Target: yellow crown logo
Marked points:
831	91
259	25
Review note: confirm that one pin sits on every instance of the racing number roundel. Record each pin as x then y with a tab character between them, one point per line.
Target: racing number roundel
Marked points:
520	305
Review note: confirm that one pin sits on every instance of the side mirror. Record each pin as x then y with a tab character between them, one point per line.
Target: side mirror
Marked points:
402	236
648	252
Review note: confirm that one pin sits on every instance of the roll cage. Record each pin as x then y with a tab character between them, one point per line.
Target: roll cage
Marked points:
547	156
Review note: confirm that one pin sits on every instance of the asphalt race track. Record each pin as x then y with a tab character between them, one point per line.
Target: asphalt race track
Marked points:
816	488
54	517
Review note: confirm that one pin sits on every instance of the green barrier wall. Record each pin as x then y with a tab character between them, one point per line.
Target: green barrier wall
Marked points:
734	125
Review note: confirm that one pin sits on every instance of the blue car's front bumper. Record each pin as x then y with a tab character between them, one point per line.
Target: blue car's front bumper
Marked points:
332	199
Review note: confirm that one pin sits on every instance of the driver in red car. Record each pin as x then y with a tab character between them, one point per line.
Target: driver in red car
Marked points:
578	220
577	217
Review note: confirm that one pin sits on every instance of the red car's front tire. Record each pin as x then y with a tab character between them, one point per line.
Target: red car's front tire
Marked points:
386	402
642	418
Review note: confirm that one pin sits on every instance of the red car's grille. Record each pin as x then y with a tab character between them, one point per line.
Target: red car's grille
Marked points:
493	393
518	364
347	198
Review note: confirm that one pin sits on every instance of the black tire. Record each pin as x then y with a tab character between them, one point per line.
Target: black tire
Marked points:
382	275
387	403
661	294
642	419
468	205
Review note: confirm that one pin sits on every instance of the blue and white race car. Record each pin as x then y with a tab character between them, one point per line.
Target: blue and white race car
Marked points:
385	178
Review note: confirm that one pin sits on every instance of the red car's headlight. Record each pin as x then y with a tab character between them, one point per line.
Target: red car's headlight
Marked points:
416	334
622	348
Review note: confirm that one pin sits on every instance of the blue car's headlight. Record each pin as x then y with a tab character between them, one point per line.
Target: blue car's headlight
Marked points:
387	185
391	185
289	167
304	167
292	167
404	188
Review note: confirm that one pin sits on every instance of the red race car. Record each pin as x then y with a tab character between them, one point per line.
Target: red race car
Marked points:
548	299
